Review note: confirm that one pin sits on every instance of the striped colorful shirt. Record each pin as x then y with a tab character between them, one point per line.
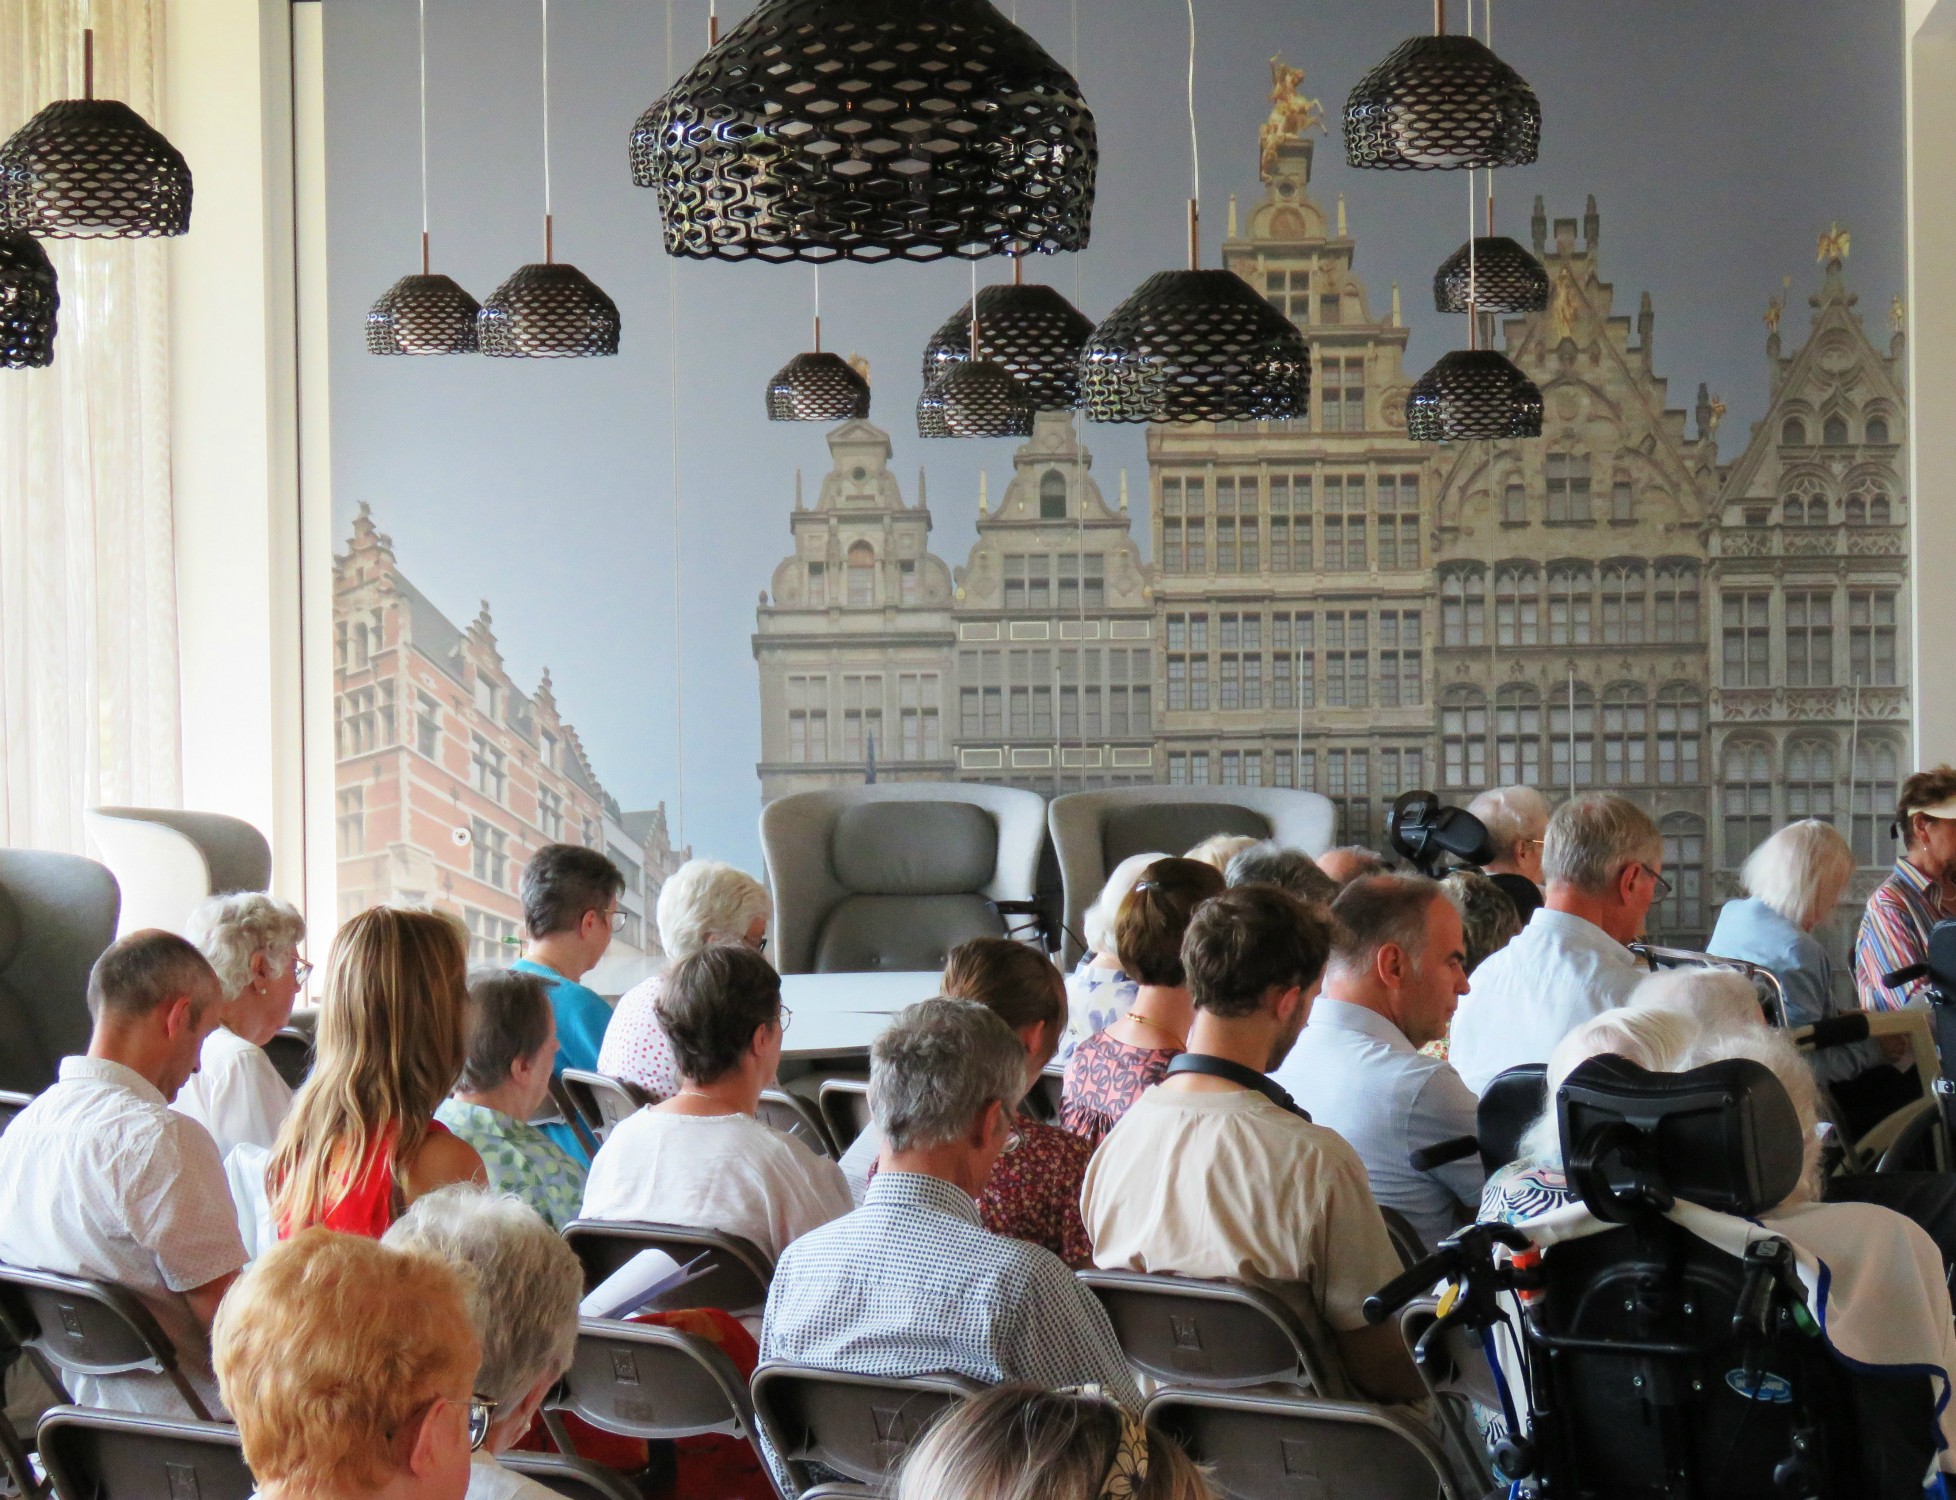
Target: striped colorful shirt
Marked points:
1895	934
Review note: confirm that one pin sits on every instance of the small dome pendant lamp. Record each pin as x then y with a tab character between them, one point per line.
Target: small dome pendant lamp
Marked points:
817	387
1442	102
29	299
975	397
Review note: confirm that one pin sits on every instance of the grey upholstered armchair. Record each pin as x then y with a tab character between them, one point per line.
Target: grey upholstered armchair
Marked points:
57	914
892	877
1095	831
167	861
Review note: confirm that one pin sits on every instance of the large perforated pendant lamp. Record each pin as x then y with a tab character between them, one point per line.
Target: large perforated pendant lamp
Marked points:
870	130
817	387
1439	102
423	313
1473	393
548	310
92	169
1033	332
974	397
1490	272
29	300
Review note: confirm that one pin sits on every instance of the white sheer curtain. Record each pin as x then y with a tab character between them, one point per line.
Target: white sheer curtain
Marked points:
88	618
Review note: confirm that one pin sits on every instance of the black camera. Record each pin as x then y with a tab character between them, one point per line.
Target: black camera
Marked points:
1420	829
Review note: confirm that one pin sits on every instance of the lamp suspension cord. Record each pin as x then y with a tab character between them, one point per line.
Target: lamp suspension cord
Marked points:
678	573
1073	21
974	312
818	306
1473	273
548	248
1195	155
423	39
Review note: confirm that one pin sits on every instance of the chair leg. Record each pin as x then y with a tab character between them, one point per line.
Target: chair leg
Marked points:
553	1422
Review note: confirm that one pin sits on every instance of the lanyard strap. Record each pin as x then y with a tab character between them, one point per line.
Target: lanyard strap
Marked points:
1235	1072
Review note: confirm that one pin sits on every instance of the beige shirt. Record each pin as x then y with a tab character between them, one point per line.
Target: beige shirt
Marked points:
1229	1186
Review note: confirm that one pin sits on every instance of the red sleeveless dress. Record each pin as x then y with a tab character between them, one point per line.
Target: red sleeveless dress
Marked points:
370	1206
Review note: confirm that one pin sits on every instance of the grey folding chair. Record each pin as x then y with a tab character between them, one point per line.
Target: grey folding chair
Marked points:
572	1478
644	1381
71	1327
859	1426
793	1115
1183	1331
17	1476
93	1454
736	1281
600	1100
845	1109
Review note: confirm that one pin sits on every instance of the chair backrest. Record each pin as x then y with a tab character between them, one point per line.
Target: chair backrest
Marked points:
1513	1101
860	1426
737	1281
11	1104
77	1327
845	1108
167	860
600	1100
57	914
93	1454
1262	1446
1405	1239
572	1478
893	876
1094	831
1182	1331
793	1115
653	1383
290	1052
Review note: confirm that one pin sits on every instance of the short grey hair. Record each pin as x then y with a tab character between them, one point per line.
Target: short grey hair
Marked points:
1510	814
934	1070
521	1280
228	930
1097	925
1488	918
1590	839
706	899
1657	1040
1719	1000
1801	871
1270	863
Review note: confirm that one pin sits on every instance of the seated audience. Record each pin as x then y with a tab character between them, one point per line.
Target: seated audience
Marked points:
1396	971
1269	863
570	910
350	1369
510	1040
362	1141
1034	1192
1602	858
703	902
1896	923
100	1178
1516	819
911	1282
522	1284
252	941
1108	1071
1098	993
1016	1442
1219	849
1349	862
1216	1172
701	1158
1487	916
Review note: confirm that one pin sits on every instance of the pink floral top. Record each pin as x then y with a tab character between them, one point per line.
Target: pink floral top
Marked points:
635	1046
1103	1077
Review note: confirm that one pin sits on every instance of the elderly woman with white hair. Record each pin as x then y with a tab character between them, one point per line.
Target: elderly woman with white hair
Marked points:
522	1285
1098	993
1794	882
703	902
1516	819
252	941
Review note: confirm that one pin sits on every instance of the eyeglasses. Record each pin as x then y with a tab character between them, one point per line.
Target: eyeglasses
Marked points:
759	945
1662	885
785	1017
616	918
301	971
481	1410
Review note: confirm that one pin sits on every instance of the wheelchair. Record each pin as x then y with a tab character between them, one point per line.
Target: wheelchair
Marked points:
1643	1361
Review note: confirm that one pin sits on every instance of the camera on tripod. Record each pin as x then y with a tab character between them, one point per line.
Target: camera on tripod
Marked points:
1423	830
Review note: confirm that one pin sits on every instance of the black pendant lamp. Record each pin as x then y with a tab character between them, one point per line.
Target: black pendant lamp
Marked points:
29	299
425	313
1473	393
974	397
1490	272
1032	331
870	130
548	310
1442	102
92	169
817	387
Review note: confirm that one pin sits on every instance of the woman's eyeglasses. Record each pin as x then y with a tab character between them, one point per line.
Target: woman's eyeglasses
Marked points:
301	971
481	1413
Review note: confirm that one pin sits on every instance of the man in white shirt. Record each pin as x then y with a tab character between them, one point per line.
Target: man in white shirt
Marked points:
1602	859
101	1179
1397	969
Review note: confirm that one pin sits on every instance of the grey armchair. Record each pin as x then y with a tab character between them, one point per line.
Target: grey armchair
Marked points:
893	877
57	914
167	861
1095	831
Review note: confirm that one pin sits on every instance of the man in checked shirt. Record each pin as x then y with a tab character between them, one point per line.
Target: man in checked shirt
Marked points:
1917	894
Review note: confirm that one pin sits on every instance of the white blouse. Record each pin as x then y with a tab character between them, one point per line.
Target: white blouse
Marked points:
236	1094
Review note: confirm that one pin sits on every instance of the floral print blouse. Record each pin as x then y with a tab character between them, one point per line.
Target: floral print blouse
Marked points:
1033	1193
1095	999
521	1159
1103	1077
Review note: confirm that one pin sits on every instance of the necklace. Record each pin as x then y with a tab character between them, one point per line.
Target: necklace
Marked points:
1156	1026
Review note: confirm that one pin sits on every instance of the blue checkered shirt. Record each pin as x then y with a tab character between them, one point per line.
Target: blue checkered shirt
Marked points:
911	1284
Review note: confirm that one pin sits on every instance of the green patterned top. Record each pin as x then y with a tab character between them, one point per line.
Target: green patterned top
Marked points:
521	1159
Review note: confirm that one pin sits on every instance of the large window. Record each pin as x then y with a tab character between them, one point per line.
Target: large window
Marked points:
488	764
1517	605
1877	785
1400	683
1347	782
1810	780
1748	649
1674	603
808	719
1572	737
1398	512
1623	604
1682	914
1568	488
1518	735
1052	496
1626	730
1570	586
1347	658
1290	522
1680	731
862	575
1341	399
489	853
1747	797
1463	607
1463	737
1809	638
1344	523
1871	637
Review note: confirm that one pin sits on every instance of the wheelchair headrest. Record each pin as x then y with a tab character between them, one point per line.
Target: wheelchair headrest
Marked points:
1724	1136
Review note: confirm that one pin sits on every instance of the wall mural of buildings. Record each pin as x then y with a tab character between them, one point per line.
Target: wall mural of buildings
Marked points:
1331	606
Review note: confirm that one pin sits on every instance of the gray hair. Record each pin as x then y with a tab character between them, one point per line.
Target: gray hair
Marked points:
1801	871
1219	849
1270	863
1377	910
1719	1000
1488	918
1772	1049
934	1070
1590	839
705	899
1510	814
1658	1040
1097	925
505	1020
522	1282
228	930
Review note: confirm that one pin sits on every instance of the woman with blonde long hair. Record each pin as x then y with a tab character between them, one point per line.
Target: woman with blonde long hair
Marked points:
362	1141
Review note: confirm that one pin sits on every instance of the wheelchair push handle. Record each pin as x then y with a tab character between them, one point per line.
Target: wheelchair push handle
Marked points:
1464	1251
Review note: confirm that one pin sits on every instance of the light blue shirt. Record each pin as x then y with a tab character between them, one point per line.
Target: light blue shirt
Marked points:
582	1017
1356	1072
1558	973
1752	930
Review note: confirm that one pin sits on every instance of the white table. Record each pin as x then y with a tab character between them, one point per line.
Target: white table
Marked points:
837	1016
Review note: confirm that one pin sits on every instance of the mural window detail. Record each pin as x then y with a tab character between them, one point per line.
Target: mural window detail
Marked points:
1346	661
350	821
1682	913
1809	638
1877	785
1514	505
907	582
862	575
1674	603
1568	489
1569	588
1868	505
1572	737
1517	735
489	766
1463	737
550	815
1833	432
1871	637
808	719
862	716
1344	523
1748	649
1810	780
1623	505
1877	430
1793	433
1680	731
427	725
1805	503
1517	605
1623	604
1626	727
1398	508
818	585
489	853
1052	496
1290	293
1399	659
1463	607
1347	782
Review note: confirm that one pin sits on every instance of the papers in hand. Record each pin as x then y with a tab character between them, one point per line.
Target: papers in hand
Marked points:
644	1278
